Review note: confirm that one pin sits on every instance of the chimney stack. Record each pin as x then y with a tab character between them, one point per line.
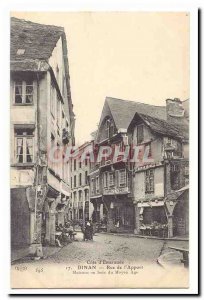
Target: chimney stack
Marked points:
174	110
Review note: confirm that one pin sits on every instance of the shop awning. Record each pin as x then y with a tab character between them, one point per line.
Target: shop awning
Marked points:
155	203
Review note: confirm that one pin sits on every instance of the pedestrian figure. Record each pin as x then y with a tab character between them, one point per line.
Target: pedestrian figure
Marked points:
88	231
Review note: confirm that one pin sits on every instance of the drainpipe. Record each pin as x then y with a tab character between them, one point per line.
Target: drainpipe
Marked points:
37	249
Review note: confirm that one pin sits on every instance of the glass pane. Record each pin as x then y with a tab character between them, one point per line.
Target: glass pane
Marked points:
20	159
29	89
18	99
29	158
18	89
19	142
29	149
29	98
19	150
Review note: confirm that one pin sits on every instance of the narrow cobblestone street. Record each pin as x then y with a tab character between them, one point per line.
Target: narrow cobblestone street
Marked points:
110	247
114	259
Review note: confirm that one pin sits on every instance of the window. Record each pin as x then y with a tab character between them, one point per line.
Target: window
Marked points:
24	145
80	179
74	164
148	150
86	177
23	92
71	182
20	51
80	196
175	176
86	162
80	164
111	179
140	134
97	184
169	141
74	180
105	179
109	128
122	178
92	186
149	181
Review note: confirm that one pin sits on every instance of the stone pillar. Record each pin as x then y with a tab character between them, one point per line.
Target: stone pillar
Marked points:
170	226
101	211
110	223
32	227
98	211
52	223
137	220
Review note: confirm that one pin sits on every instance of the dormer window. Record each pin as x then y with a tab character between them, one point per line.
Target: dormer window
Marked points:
20	51
110	128
140	134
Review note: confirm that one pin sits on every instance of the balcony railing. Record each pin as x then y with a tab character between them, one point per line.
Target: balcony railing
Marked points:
116	190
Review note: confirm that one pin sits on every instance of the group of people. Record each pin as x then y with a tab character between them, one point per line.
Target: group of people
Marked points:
65	233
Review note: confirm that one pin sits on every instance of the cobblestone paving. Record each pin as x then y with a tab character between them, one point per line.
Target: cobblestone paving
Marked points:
109	247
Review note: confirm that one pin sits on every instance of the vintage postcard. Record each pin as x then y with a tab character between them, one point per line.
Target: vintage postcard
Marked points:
99	133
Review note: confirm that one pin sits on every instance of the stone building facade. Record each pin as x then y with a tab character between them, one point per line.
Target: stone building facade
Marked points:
80	207
160	185
42	120
127	194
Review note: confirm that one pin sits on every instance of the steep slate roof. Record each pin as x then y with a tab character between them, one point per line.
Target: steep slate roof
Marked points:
38	40
123	111
165	128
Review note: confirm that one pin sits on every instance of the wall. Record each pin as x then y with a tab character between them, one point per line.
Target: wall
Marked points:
156	143
139	185
20	115
84	186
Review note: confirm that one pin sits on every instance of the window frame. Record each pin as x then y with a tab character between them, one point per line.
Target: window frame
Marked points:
149	181
97	184
24	138
92	186
80	179
105	179
24	94
86	178
111	174
119	178
140	126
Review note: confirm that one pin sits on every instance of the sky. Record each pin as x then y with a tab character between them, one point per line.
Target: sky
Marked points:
134	56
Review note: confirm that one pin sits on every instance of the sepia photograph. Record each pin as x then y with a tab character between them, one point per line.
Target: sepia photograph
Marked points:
99	150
